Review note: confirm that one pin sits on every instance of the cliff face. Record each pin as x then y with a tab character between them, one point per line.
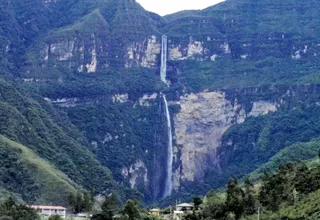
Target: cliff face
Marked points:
97	37
199	127
204	142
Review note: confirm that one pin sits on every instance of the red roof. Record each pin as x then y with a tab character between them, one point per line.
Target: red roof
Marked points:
47	207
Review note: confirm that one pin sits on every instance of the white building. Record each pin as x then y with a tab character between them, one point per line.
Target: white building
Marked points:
50	210
184	207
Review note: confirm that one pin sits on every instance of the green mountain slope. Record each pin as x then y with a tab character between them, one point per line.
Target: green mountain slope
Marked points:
296	153
50	186
308	208
48	134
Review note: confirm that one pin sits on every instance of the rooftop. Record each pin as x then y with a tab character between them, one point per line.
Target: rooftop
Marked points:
185	205
47	207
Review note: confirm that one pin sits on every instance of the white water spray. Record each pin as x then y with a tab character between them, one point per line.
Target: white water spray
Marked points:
168	182
163	75
163	68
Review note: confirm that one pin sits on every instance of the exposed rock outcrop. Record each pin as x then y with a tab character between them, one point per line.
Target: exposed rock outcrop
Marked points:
144	54
137	174
199	127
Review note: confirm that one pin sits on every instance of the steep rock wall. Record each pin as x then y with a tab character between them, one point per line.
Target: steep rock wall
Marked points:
94	53
199	127
137	175
145	54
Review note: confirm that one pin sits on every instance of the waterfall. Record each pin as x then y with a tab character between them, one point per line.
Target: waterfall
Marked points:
163	74
168	182
163	69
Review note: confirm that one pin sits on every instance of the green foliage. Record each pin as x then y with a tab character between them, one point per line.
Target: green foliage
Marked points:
249	199
124	133
10	210
307	208
39	179
131	210
192	216
290	193
234	201
109	205
28	120
108	208
294	153
298	192
55	217
197	201
213	208
277	189
83	27
238	202
81	201
258	139
15	175
135	82
228	74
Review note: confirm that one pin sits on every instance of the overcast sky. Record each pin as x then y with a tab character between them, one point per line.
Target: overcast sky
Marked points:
164	7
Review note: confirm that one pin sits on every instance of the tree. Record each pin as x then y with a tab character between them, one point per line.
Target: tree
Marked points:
131	210
10	210
234	202
211	193
109	205
82	201
197	201
108	208
270	192
88	200
98	217
79	202
72	201
249	200
279	187
192	216
213	207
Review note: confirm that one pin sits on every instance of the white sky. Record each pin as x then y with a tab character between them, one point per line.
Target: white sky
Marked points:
164	7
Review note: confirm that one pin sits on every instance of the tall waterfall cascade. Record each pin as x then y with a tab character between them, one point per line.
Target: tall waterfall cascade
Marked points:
168	182
163	74
163	68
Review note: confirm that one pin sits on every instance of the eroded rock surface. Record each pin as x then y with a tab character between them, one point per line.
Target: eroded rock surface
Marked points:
199	127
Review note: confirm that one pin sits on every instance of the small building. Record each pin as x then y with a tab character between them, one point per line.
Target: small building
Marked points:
83	215
155	212
184	207
50	210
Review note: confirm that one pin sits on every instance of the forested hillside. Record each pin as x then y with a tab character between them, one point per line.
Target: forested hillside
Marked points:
292	192
80	91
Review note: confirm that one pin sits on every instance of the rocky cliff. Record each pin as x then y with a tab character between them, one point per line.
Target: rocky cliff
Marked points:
199	127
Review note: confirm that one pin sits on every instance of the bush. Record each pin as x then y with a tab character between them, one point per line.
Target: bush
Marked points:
55	217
